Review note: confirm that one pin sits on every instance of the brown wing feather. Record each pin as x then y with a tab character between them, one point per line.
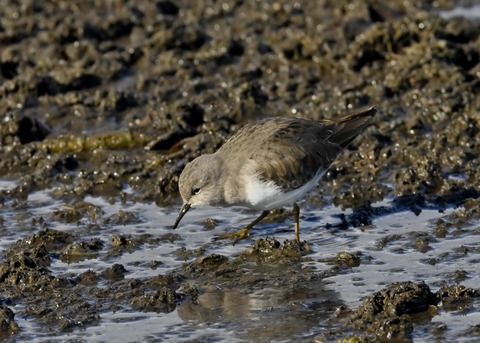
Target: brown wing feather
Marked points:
290	151
294	152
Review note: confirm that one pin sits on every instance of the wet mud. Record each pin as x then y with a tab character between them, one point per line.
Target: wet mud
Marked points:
98	98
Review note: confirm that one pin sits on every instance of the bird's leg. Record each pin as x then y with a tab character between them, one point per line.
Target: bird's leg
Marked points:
296	214
242	233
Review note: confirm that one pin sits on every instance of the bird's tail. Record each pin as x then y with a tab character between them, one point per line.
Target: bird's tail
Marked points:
351	126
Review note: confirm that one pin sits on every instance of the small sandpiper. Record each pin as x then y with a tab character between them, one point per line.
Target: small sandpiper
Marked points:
268	164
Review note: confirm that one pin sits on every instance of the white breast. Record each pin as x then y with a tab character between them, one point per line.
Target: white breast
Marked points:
268	196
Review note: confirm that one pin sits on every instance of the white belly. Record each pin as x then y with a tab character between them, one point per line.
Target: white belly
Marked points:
268	196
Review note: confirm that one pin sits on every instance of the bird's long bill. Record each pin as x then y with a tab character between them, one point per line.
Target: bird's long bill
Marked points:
182	212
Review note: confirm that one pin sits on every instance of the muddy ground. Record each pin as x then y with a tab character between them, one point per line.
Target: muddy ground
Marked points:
97	97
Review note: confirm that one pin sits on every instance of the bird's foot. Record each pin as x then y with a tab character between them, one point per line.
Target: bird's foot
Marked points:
235	236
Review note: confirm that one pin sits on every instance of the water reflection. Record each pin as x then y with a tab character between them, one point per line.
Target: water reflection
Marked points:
266	314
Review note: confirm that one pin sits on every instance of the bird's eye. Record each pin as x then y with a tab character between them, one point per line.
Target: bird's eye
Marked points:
196	190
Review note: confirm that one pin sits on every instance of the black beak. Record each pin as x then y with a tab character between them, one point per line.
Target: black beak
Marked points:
182	212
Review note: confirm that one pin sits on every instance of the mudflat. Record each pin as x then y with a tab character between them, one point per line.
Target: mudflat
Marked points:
110	100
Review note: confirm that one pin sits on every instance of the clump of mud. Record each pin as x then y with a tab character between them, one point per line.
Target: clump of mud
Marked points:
384	311
8	326
390	314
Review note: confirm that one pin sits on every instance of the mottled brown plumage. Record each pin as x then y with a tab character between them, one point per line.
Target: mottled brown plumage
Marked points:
266	160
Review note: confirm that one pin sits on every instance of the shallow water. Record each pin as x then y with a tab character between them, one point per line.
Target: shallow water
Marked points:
273	314
472	12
